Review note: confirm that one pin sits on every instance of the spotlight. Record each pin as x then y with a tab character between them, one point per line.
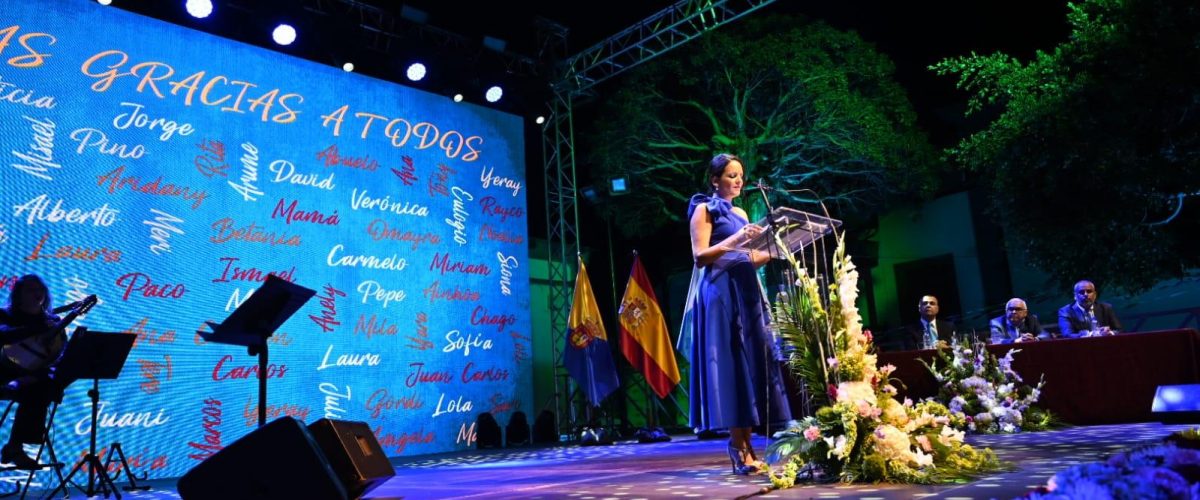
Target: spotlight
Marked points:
104	2
199	9
458	98
591	194
617	186
348	67
284	34
540	120
416	71
494	93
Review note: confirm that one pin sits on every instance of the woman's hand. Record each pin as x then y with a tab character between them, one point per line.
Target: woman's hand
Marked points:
743	235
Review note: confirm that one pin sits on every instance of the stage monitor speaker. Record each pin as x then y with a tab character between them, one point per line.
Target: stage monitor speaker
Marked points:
354	453
279	460
487	432
516	433
1177	403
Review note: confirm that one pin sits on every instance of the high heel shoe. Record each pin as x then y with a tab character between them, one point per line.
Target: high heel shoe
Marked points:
740	467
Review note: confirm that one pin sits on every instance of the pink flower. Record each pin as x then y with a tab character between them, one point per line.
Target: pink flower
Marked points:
923	440
832	362
867	333
832	391
812	433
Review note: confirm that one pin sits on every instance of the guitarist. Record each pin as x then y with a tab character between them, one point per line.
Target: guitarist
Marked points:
28	314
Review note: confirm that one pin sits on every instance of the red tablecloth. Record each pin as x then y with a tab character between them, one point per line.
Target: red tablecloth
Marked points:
1100	380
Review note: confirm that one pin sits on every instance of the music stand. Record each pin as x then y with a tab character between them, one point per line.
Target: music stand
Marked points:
255	320
93	355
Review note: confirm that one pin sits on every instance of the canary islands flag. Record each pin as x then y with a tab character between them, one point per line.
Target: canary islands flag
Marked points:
587	356
644	337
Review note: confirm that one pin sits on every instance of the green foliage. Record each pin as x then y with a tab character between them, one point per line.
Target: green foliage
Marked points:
1096	143
804	105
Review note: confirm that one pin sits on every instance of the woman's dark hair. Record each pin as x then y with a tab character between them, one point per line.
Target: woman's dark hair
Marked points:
21	287
716	167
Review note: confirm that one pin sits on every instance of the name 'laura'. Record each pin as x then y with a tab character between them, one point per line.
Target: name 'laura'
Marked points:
364	359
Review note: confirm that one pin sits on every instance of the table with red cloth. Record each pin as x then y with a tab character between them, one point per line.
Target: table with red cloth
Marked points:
1097	380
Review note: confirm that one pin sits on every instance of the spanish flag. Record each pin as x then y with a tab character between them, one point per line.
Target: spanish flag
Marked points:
587	356
644	337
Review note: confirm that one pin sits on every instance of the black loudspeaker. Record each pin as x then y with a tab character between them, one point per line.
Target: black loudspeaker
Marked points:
279	460
544	428
1177	404
487	431
516	433
354	453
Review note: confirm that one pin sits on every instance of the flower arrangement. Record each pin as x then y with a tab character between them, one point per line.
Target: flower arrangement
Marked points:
985	393
860	431
1156	471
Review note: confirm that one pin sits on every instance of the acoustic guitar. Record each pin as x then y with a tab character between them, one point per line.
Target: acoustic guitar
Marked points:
38	351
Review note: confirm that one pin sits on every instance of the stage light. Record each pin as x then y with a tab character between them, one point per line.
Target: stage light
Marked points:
494	93
416	71
618	186
104	2
590	194
348	67
540	120
494	44
458	97
199	9
413	14
284	34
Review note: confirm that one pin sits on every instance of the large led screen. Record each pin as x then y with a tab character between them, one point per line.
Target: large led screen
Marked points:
169	172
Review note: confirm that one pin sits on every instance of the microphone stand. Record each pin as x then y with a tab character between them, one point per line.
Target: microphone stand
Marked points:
768	355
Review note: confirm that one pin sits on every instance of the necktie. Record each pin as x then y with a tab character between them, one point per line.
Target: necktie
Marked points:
930	335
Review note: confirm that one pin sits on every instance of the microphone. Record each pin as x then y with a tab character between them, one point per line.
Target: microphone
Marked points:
761	185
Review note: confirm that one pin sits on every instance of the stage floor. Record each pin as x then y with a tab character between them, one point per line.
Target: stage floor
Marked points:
689	468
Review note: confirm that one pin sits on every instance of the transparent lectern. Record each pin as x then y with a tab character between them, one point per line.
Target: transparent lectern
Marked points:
797	230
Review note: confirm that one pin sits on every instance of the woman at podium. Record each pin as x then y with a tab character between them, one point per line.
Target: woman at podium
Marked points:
32	337
735	382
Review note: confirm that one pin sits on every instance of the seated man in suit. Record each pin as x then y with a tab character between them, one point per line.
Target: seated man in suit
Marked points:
1085	317
1016	324
930	331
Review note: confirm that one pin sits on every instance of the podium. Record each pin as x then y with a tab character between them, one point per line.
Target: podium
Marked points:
255	320
94	355
797	230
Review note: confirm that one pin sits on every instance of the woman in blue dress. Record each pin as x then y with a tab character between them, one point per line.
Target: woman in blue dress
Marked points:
735	379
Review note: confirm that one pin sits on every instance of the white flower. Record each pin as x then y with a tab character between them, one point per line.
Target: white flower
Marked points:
837	447
853	392
1007	427
892	443
949	435
923	459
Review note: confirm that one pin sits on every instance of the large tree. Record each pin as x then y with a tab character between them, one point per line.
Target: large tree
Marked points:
1092	154
804	105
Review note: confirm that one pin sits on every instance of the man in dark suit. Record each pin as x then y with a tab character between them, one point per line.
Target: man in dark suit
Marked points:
1085	317
930	331
1016	324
